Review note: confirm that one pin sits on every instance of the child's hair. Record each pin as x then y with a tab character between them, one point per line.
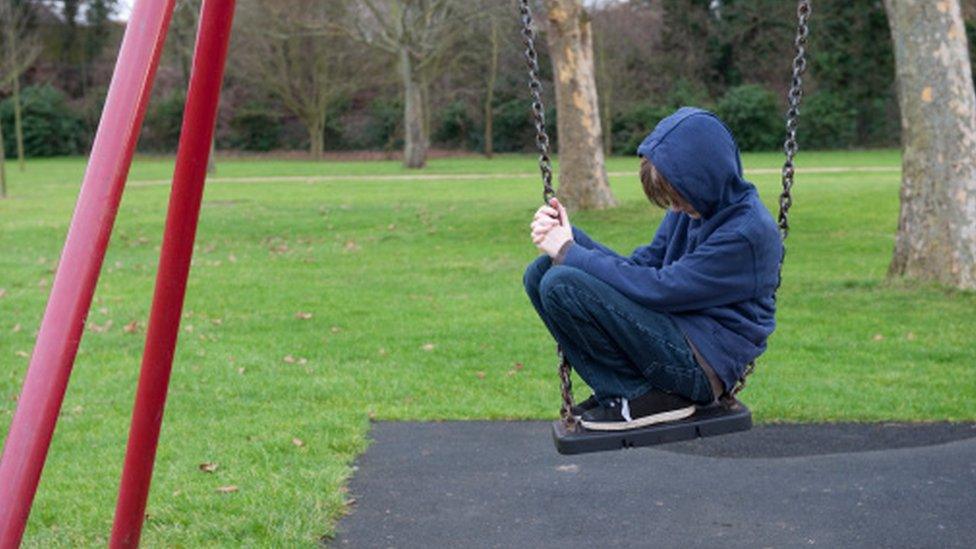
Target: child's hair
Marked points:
657	189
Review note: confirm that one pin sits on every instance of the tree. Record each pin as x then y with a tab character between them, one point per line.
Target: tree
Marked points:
936	237
20	50
418	33
490	87
583	180
291	50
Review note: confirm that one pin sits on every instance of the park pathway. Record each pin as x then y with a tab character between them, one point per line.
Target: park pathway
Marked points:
420	176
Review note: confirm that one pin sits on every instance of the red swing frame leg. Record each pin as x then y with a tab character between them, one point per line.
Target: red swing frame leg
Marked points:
81	260
199	117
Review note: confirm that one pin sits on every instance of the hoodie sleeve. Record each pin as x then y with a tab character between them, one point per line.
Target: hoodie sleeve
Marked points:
720	271
585	241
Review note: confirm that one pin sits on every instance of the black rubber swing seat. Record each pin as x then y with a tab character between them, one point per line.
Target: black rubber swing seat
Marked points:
707	421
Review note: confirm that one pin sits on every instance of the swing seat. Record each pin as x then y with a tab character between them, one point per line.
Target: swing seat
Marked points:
707	421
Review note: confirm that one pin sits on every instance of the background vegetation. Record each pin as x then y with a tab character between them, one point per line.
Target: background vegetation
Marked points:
652	56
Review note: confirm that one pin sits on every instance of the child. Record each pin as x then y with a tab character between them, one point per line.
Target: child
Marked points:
674	324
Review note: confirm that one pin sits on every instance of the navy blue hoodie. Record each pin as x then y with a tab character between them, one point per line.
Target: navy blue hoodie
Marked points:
715	276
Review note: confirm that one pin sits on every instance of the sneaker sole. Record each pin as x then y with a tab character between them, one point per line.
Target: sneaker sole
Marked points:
672	415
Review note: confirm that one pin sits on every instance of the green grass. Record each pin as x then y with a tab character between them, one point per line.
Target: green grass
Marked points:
414	287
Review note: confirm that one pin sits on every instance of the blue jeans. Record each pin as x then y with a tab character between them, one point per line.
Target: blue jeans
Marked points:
620	348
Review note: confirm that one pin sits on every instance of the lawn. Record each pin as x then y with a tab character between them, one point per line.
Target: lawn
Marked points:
326	294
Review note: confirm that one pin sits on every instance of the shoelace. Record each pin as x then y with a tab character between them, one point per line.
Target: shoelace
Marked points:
624	408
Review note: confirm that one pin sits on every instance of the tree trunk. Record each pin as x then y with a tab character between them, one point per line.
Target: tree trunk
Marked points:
937	225
3	165
316	137
582	175
415	139
490	92
18	123
212	159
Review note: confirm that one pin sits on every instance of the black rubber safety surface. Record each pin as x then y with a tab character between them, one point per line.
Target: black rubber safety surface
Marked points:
501	484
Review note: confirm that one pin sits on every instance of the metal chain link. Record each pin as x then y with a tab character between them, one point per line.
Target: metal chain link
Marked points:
790	147
545	167
538	109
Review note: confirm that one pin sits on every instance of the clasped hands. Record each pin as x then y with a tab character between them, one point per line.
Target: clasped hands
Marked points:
550	228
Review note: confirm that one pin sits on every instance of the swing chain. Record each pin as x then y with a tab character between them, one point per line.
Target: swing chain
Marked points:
538	110
792	115
545	167
790	147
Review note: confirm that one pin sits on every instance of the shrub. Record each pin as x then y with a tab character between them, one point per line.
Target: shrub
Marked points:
827	121
51	126
514	129
383	130
161	129
754	116
456	129
630	127
255	126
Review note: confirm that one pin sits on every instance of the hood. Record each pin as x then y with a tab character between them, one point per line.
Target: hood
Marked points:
697	154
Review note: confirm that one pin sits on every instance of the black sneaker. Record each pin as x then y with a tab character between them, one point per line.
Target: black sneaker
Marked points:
652	407
585	406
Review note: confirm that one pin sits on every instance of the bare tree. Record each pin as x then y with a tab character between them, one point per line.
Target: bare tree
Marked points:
20	50
291	49
418	33
490	86
937	226
583	180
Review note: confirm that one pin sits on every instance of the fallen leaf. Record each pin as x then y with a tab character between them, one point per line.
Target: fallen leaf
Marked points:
208	467
335	329
131	327
303	361
23	354
297	442
428	347
303	315
216	321
188	328
383	352
3	293
878	337
289	359
100	328
240	371
910	336
42	283
481	375
519	366
351	246
227	489
571	468
17	328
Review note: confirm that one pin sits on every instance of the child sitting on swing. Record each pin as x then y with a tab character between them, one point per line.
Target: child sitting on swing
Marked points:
674	324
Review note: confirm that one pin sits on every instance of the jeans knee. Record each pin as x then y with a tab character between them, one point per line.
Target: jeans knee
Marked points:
534	273
557	279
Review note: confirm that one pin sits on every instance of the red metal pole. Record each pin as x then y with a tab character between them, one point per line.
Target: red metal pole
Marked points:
174	267
81	260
